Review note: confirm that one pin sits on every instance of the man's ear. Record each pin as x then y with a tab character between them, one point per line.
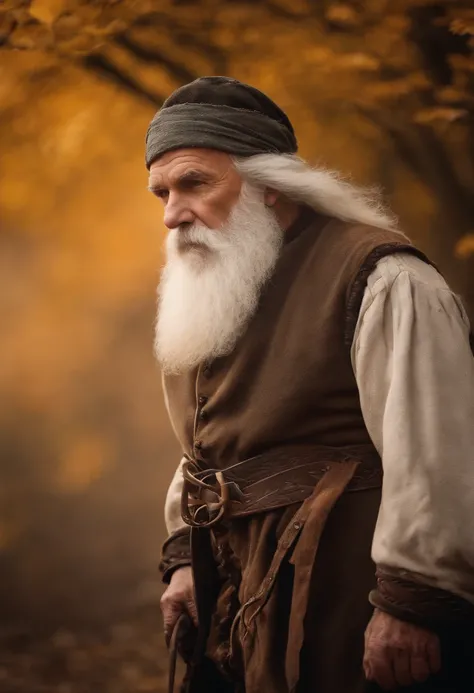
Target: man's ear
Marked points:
271	197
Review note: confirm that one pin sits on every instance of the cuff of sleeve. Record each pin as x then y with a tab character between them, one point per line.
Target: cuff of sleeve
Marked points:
402	595
176	552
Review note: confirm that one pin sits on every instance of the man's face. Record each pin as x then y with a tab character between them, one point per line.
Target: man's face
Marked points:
221	249
195	185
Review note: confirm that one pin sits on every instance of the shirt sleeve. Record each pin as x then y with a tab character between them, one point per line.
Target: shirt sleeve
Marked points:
415	373
173	519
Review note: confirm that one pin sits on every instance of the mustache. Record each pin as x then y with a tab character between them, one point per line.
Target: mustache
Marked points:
197	236
187	238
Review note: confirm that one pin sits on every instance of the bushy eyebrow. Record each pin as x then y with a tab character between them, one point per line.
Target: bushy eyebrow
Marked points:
188	176
194	174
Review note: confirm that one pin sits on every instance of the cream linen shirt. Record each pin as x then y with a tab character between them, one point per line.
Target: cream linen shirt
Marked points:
415	374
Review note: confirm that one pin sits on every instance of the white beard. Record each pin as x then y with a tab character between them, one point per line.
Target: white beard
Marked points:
211	283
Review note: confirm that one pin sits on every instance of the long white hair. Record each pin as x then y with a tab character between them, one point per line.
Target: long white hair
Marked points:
319	188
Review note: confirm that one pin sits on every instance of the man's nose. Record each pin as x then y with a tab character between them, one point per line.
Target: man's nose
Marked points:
177	213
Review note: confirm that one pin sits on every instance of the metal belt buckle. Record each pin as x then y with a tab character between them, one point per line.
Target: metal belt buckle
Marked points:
200	499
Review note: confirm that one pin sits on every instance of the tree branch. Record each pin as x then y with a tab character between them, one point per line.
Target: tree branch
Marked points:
182	35
101	65
153	55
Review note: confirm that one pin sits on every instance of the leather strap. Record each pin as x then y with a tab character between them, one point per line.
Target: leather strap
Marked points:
308	521
269	481
329	490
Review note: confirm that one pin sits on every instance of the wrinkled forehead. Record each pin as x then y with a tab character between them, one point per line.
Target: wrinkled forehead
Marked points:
206	158
190	165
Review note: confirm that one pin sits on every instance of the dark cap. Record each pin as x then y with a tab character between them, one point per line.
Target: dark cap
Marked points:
220	113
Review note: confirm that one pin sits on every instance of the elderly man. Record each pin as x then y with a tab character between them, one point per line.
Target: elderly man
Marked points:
306	346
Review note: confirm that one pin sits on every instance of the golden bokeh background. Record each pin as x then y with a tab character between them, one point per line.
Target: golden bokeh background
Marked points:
382	91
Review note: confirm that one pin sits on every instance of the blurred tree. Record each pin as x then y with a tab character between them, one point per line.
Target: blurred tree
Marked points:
406	68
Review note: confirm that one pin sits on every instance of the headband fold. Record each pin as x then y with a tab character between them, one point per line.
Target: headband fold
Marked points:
237	131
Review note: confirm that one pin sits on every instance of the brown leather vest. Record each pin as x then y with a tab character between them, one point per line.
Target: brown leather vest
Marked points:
289	381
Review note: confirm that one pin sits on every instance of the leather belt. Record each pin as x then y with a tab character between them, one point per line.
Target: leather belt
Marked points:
269	481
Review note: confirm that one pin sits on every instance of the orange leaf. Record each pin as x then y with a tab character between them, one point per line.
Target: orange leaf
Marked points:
464	248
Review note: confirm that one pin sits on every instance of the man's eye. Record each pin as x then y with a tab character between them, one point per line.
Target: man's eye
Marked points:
162	194
192	183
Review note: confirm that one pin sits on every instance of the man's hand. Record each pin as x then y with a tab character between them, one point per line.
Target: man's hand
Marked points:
178	598
398	653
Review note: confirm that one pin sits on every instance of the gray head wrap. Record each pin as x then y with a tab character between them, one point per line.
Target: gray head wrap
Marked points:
220	113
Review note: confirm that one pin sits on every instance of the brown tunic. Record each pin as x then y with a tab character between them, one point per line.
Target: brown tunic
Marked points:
290	379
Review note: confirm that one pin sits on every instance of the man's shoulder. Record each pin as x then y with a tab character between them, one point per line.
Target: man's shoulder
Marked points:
356	249
370	254
401	265
353	236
